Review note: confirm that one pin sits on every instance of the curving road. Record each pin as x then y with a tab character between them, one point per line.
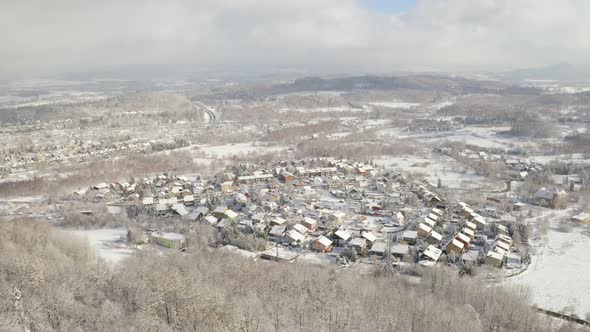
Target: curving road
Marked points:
210	114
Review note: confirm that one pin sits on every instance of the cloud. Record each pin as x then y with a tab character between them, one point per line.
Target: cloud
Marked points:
40	37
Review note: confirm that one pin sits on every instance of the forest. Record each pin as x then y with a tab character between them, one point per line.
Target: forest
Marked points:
50	282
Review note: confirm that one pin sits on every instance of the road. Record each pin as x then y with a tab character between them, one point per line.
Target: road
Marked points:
210	114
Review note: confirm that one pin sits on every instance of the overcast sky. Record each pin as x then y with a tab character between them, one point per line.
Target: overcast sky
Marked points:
43	37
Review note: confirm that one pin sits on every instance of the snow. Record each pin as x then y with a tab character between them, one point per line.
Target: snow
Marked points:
323	109
559	275
436	166
109	244
229	150
396	104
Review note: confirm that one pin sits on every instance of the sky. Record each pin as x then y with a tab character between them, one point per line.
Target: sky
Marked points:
42	37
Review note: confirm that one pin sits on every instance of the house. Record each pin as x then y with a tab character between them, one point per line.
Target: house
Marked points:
229	215
226	186
180	209
168	240
582	218
378	249
463	239
479	222
551	197
437	212
160	209
469	232
504	238
322	244
278	221
336	216
501	229
400	250
294	237
359	243
341	237
409	237
370	237
211	220
188	200
399	218
455	246
148	201
466	212
502	245
432	253
519	206
287	177
301	229
277	233
223	223
494	259
423	230
258	217
310	223
470	225
219	211
434	238
431	223
470	256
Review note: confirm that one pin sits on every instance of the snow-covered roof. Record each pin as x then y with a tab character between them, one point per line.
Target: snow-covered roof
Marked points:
409	234
180	209
369	236
432	252
295	235
324	241
342	235
435	235
495	255
230	214
300	228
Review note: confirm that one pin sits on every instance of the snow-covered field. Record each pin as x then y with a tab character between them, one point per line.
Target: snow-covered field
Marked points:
228	150
559	276
396	104
451	173
324	109
110	244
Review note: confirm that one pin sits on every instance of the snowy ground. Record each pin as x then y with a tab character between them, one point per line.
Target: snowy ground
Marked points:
396	104
559	275
451	173
110	244
228	150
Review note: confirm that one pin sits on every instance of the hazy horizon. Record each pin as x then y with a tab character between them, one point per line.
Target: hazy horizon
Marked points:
349	36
